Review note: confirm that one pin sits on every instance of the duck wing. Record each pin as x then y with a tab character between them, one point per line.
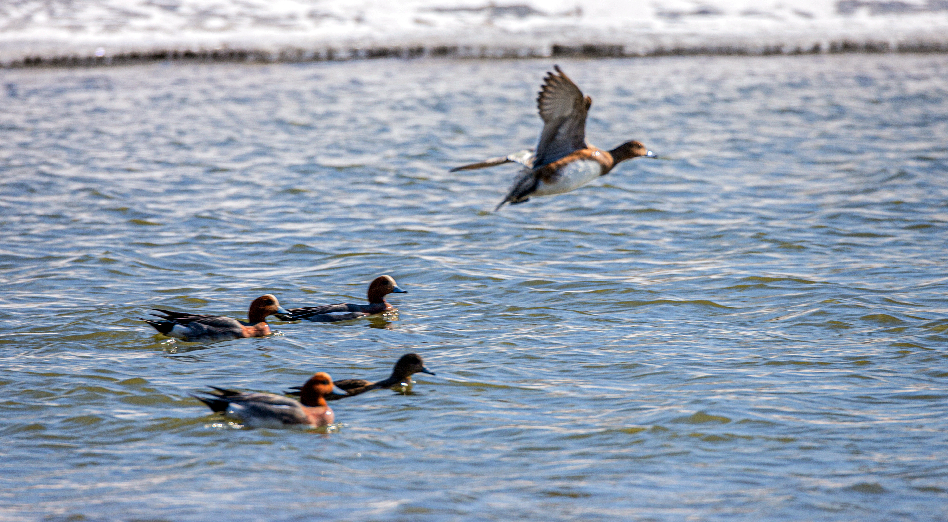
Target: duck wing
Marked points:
324	313
523	157
257	409
192	327
352	387
180	317
220	398
563	109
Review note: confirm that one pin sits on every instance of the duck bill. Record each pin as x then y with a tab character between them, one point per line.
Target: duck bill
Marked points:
426	370
339	392
283	311
397	290
650	154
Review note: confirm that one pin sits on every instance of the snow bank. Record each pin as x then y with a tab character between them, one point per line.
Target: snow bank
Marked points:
34	32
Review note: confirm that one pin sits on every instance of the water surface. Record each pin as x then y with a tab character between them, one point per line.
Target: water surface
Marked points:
752	328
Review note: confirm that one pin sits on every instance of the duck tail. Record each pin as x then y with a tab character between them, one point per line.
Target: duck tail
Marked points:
511	201
215	403
217	400
164	327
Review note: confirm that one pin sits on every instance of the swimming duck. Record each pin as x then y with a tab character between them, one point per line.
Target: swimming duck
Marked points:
405	367
563	160
211	328
267	410
378	289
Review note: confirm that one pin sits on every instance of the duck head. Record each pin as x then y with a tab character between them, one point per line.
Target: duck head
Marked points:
382	286
264	306
315	390
629	150
409	364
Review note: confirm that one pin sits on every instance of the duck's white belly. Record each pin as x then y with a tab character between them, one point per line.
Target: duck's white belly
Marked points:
572	176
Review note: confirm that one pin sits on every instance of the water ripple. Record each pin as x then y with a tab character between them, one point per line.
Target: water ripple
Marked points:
751	328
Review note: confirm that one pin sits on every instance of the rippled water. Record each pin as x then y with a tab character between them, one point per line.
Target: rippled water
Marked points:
753	328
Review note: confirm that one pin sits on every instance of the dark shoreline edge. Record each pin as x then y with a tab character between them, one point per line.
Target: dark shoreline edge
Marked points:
299	55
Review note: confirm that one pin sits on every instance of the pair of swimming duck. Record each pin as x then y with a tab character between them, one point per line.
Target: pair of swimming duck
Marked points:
563	161
270	410
213	328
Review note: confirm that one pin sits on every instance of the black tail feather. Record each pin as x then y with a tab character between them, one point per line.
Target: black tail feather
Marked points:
214	403
217	400
162	326
224	392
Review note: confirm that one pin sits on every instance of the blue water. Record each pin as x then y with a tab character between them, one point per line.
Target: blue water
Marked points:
751	328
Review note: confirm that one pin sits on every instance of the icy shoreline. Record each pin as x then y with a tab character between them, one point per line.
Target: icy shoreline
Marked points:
34	33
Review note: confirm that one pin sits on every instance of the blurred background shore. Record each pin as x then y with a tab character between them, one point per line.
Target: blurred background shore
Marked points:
66	32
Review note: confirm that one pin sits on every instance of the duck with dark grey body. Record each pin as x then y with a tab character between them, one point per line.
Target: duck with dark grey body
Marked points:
212	328
563	160
267	410
408	365
378	289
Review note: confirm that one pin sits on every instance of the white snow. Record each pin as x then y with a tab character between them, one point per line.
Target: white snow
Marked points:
312	29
